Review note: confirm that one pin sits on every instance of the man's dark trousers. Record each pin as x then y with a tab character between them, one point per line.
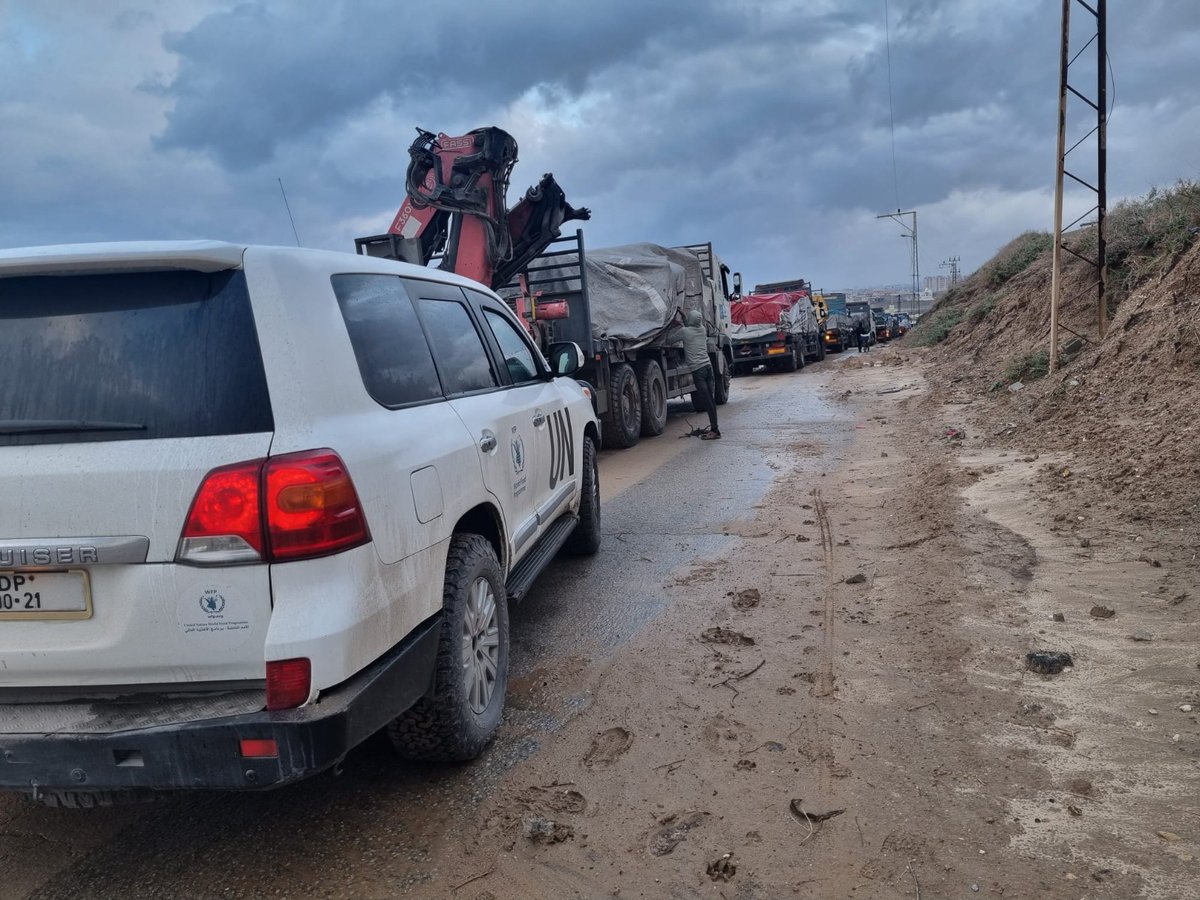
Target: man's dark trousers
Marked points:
706	386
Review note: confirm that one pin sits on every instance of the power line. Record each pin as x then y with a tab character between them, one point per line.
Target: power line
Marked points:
288	207
887	32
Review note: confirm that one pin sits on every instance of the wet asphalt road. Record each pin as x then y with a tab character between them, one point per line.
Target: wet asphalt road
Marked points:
370	829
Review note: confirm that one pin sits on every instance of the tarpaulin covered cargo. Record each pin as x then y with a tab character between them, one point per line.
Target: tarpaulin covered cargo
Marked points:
634	290
758	315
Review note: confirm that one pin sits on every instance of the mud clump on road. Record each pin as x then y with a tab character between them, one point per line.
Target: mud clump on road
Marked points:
541	830
672	831
719	635
747	599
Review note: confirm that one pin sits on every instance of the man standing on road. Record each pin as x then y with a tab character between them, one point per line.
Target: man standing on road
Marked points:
689	327
864	339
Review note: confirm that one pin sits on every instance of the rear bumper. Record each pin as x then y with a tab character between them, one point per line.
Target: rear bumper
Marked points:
755	352
207	754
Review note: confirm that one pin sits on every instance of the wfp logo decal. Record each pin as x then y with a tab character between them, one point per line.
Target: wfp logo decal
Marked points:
518	454
562	447
212	603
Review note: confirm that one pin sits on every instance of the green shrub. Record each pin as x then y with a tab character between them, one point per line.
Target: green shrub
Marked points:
1015	258
1026	367
980	310
934	327
1142	233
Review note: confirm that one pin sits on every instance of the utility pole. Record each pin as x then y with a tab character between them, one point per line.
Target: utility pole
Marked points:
910	231
952	265
1100	188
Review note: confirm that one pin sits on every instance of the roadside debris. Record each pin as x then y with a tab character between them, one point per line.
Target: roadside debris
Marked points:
954	434
812	819
673	830
719	635
1101	612
1141	635
1048	662
722	869
856	578
542	830
1058	617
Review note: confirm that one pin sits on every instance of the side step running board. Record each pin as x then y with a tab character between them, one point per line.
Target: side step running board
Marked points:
524	573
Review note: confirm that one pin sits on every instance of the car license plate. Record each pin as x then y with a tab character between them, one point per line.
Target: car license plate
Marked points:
45	595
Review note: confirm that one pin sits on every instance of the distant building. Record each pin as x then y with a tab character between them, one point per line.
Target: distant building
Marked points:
936	283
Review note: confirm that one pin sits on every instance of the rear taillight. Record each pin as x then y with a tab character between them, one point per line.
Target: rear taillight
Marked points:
224	525
289	682
311	506
296	506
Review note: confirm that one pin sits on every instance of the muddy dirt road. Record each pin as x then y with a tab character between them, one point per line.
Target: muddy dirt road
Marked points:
796	668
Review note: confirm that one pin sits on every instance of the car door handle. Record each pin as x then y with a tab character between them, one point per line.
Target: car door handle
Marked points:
539	419
487	442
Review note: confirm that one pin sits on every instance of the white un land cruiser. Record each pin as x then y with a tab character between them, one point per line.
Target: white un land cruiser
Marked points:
257	504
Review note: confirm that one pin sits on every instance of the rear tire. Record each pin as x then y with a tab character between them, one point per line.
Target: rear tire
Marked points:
623	421
654	397
585	539
792	361
462	714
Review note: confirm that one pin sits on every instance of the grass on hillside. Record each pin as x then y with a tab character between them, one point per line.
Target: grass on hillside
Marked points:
934	327
1146	233
1016	257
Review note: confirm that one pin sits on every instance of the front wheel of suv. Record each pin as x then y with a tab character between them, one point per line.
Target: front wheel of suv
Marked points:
461	716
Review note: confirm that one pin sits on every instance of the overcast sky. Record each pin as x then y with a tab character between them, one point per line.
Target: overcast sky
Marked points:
761	126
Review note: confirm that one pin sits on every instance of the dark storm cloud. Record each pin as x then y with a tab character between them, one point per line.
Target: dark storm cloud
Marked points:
287	71
763	125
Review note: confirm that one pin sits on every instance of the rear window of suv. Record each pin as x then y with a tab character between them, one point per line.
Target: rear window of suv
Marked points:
129	356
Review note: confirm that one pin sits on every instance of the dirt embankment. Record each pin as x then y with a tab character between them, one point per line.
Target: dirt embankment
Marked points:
1124	407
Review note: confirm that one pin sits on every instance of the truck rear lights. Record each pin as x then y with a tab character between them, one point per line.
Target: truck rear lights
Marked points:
289	682
224	525
312	508
259	748
296	506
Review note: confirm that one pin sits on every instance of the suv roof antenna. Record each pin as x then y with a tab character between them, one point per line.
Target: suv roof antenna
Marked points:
288	207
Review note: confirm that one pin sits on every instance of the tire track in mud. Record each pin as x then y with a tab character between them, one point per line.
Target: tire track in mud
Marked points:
825	675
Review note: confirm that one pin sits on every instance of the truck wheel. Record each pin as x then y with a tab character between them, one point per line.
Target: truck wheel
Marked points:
792	361
458	720
623	421
654	397
585	539
721	394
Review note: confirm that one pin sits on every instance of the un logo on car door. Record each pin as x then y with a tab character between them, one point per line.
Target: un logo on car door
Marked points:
562	447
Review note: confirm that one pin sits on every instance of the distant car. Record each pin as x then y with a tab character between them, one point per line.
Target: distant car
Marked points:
903	324
883	327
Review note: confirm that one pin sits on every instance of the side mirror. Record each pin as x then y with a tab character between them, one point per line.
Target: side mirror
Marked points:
737	284
565	358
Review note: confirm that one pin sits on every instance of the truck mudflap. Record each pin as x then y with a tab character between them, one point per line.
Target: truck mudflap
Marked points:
251	751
